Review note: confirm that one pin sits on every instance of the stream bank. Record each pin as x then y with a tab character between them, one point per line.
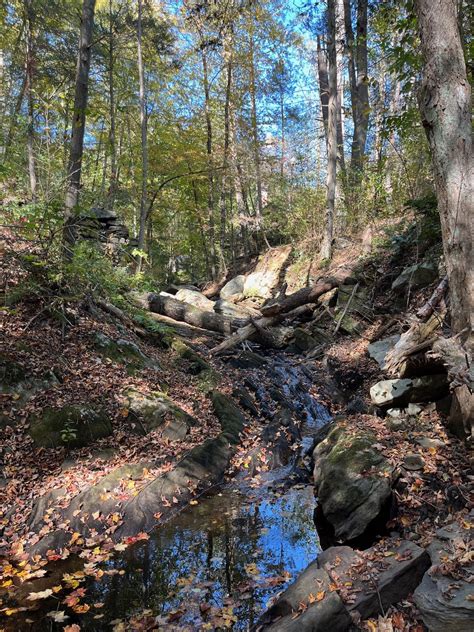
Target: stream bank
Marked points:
262	413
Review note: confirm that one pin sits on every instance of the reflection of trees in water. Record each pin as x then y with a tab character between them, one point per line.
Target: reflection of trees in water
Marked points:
215	542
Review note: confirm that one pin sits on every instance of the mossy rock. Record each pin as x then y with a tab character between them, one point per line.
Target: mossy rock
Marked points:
231	418
197	363
353	480
154	410
208	378
74	426
124	352
11	372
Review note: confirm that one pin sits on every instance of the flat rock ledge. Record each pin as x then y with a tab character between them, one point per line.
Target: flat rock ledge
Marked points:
163	496
445	602
340	588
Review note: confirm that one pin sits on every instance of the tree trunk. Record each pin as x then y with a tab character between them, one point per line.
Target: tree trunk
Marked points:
445	104
340	82
144	140
228	55
79	122
323	84
360	139
357	66
254	124
326	247
178	310
30	97
209	150
112	134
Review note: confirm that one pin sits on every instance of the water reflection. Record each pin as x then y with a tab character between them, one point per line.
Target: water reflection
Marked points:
224	557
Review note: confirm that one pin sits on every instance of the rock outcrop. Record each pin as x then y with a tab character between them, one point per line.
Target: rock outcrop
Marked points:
320	608
445	599
266	275
72	426
378	586
400	392
416	276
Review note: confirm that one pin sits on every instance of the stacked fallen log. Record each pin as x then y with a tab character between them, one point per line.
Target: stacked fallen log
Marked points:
184	312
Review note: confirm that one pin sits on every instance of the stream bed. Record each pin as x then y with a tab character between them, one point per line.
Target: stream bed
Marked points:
218	564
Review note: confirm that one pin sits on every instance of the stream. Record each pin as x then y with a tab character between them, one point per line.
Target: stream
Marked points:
218	563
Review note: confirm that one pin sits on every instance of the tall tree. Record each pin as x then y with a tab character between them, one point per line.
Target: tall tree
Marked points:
445	104
358	78
326	247
79	120
29	63
144	139
112	123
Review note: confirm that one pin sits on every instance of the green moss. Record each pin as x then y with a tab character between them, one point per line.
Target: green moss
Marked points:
151	411
207	378
124	352
11	372
75	426
186	353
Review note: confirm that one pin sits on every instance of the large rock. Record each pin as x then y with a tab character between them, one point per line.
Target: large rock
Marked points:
266	276
124	352
233	288
195	298
155	410
74	426
248	360
207	378
461	414
377	588
415	276
353	481
400	392
321	607
379	349
445	602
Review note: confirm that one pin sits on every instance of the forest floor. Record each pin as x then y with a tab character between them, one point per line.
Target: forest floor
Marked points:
428	499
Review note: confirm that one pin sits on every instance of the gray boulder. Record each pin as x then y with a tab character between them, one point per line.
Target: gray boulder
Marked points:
233	287
353	481
195	298
445	602
400	392
376	590
266	275
415	276
379	349
303	341
324	608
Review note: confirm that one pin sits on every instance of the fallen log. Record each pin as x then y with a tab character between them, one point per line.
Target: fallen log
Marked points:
429	307
419	337
178	310
212	289
244	333
308	294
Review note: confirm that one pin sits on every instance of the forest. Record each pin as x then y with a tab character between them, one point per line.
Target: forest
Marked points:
236	322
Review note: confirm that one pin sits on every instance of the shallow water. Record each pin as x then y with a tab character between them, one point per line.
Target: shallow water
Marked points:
228	546
214	566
